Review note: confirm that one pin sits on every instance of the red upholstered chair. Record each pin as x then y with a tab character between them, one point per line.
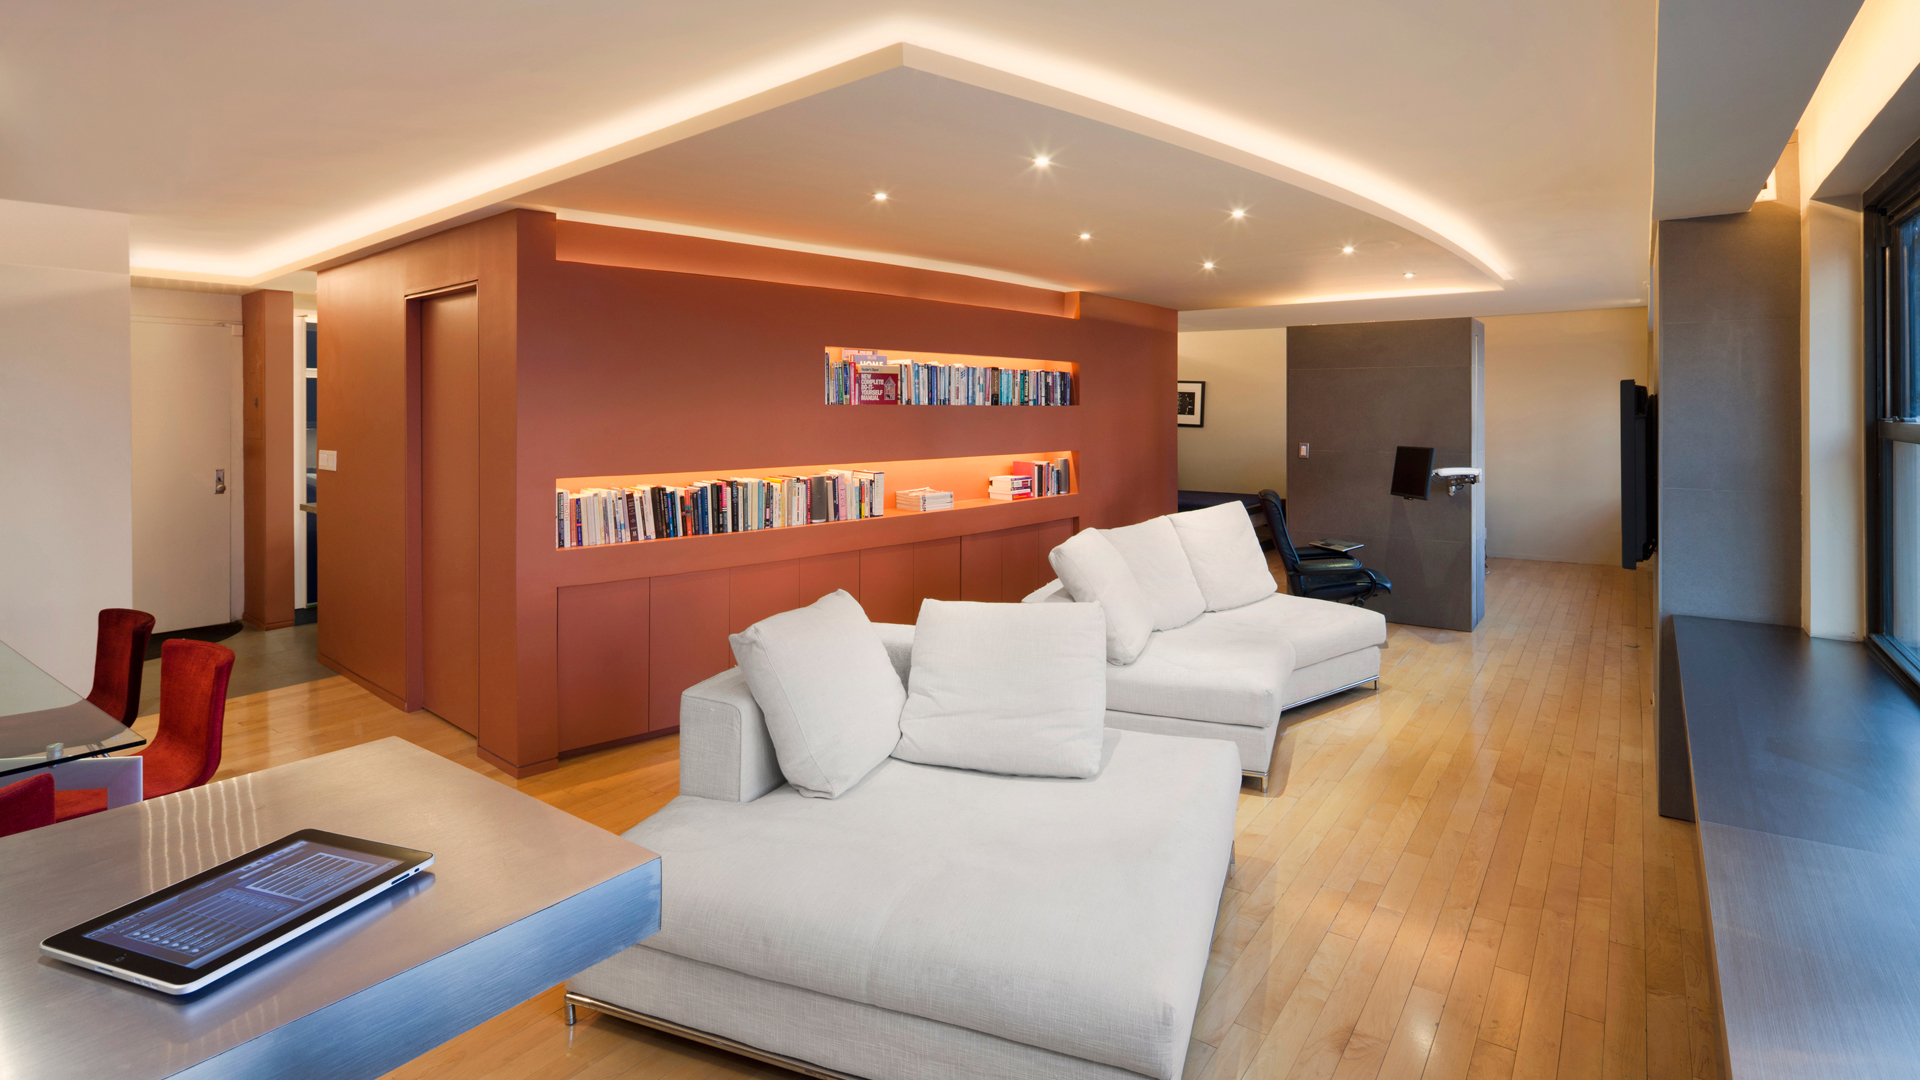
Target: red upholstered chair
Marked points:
193	711
26	805
119	656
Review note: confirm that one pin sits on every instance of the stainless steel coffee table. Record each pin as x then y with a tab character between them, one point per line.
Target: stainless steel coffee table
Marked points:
521	896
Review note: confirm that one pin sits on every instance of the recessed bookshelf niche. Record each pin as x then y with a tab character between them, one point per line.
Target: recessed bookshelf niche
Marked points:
896	377
694	496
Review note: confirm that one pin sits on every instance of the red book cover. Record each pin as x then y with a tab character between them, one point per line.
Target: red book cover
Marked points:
876	386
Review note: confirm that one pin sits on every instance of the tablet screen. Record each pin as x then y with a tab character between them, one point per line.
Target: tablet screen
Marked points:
207	921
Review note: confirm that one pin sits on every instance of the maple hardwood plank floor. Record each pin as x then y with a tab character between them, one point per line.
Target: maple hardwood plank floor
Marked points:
1464	879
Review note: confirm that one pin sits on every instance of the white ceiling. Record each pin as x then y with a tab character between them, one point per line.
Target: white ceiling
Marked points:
1483	144
957	164
1735	76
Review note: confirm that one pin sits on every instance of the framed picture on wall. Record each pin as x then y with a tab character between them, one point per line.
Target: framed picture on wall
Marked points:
1191	407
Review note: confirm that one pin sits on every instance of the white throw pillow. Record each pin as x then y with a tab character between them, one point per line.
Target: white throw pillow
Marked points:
1153	552
1225	555
1018	689
1094	573
831	698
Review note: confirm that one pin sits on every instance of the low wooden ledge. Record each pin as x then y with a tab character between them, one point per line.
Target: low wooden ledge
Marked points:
1806	780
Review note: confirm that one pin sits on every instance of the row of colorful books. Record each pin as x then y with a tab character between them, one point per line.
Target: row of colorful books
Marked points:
869	378
622	515
1033	479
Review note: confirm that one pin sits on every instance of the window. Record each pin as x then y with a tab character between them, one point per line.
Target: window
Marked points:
1892	227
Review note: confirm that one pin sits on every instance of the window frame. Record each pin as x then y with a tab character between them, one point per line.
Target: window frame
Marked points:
1885	207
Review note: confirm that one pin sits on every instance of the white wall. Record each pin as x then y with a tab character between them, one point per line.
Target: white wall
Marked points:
66	443
1243	445
1833	503
1553	431
186	409
1552	425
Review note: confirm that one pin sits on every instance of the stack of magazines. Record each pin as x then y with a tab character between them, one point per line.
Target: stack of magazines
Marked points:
1009	487
920	499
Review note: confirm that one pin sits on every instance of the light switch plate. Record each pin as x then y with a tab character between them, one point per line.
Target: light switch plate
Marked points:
1303	449
329	460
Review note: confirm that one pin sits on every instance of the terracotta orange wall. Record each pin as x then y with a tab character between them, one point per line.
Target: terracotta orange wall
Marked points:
618	370
369	409
266	374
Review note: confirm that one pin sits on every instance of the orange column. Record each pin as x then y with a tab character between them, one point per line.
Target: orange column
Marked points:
267	440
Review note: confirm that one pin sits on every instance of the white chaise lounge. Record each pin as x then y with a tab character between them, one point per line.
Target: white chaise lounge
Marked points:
1240	652
930	922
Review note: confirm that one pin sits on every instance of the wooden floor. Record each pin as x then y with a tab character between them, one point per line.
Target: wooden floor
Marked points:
1464	878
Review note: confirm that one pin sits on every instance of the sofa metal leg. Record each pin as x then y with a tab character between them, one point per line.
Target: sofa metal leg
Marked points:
804	1068
570	1016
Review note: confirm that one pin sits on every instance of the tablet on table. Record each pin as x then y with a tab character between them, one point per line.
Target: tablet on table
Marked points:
193	933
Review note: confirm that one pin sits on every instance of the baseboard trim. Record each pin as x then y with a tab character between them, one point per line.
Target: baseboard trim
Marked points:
364	683
518	772
628	741
719	1042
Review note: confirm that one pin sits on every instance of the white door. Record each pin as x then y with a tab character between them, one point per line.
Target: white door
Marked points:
184	372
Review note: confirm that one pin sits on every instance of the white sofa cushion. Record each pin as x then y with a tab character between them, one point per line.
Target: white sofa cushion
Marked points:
1207	670
831	697
1317	629
1072	916
1225	555
1153	552
1094	572
1018	689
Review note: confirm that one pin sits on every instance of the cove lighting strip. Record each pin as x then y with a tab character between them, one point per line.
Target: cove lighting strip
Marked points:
836	60
1880	51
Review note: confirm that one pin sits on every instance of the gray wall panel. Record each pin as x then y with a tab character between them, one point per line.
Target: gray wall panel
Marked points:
1727	298
1355	392
1413	343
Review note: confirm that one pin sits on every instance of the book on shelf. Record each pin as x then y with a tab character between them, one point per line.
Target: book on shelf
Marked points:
1010	487
865	377
876	386
1033	480
595	516
923	499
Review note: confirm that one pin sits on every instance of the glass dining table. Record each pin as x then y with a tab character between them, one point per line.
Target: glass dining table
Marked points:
43	723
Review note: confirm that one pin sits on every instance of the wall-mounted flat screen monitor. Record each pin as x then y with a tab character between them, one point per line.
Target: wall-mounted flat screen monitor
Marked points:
1639	465
1412	471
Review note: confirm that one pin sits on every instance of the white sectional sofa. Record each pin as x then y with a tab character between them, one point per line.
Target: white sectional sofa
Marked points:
1230	674
1231	671
930	922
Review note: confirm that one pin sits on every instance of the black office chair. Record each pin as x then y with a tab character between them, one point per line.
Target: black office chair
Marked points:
1320	573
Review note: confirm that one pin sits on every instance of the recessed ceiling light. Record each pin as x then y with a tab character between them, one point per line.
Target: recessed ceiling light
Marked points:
1206	266
1348	250
1043	161
1407	274
1086	236
879	196
1238	214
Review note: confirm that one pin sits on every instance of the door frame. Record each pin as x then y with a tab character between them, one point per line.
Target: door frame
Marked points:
416	631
